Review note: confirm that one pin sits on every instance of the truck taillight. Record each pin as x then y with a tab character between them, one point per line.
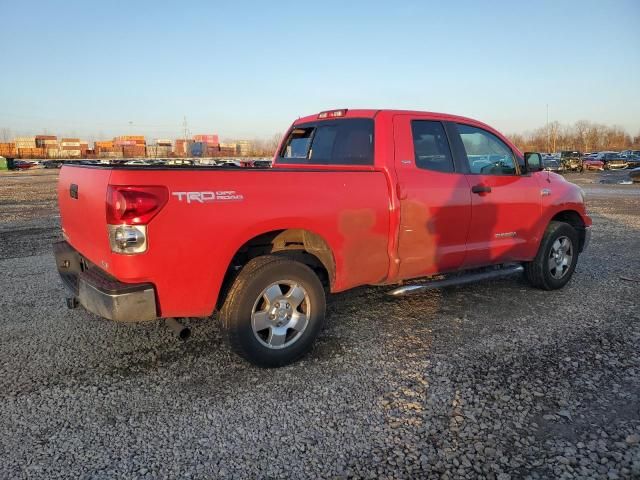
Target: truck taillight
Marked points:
128	205
129	209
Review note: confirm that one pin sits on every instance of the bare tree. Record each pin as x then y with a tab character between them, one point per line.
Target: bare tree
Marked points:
583	136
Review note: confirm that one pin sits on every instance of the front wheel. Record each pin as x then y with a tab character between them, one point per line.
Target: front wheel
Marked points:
274	311
556	259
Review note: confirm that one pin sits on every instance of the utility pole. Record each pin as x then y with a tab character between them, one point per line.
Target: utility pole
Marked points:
185	128
185	132
548	128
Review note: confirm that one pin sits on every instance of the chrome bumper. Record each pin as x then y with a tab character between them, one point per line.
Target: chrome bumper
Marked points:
102	294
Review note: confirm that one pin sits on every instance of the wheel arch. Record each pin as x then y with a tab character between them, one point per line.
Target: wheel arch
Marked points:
573	218
299	244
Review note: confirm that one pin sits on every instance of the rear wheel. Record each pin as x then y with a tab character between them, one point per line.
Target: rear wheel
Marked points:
274	311
556	259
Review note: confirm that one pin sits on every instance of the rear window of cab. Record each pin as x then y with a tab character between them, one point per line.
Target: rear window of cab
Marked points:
347	141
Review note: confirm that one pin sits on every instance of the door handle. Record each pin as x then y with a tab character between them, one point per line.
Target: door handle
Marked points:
480	189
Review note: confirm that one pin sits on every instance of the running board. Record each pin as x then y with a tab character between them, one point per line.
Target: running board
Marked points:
462	279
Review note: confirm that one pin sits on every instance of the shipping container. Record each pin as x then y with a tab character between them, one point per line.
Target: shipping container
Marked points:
209	139
53	153
103	144
158	151
122	143
42	140
31	152
130	137
197	149
109	154
70	153
183	147
25	142
8	150
133	151
130	140
230	151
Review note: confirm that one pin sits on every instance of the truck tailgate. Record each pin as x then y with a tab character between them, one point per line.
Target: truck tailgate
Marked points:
82	202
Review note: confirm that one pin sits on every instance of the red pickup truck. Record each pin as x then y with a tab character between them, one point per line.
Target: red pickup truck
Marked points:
355	197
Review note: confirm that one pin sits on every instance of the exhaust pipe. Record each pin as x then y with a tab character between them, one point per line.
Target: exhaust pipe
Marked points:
182	332
72	302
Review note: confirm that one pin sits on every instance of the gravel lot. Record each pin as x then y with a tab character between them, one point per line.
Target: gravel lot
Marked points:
494	380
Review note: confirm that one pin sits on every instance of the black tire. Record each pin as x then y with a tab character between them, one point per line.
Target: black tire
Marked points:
538	272
247	291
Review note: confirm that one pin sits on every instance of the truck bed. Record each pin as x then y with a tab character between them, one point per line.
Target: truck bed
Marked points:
213	210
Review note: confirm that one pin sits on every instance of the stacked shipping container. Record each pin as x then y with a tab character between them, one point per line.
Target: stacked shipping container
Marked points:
158	151
183	147
207	139
26	148
70	147
50	145
8	150
132	151
127	146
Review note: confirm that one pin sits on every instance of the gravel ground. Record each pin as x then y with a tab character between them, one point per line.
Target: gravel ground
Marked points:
494	380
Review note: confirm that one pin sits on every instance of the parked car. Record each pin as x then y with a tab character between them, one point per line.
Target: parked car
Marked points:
630	152
632	160
551	164
592	163
52	164
23	165
612	160
137	162
262	164
571	160
635	174
428	194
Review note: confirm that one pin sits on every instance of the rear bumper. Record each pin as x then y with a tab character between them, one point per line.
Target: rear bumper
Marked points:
100	293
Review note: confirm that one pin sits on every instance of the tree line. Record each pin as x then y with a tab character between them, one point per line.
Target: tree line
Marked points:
582	136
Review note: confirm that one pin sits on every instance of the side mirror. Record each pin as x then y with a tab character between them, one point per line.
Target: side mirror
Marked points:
532	162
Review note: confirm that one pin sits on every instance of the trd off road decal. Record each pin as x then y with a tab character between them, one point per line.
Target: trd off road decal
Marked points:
204	197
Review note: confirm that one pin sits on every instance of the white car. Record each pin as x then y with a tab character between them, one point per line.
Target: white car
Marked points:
137	162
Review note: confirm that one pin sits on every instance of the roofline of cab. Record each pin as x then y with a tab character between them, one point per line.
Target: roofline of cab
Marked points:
372	113
443	117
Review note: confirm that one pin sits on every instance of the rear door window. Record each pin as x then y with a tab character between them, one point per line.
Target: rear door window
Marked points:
431	146
346	141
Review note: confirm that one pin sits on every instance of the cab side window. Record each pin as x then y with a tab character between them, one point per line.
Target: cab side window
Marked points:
431	146
486	153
